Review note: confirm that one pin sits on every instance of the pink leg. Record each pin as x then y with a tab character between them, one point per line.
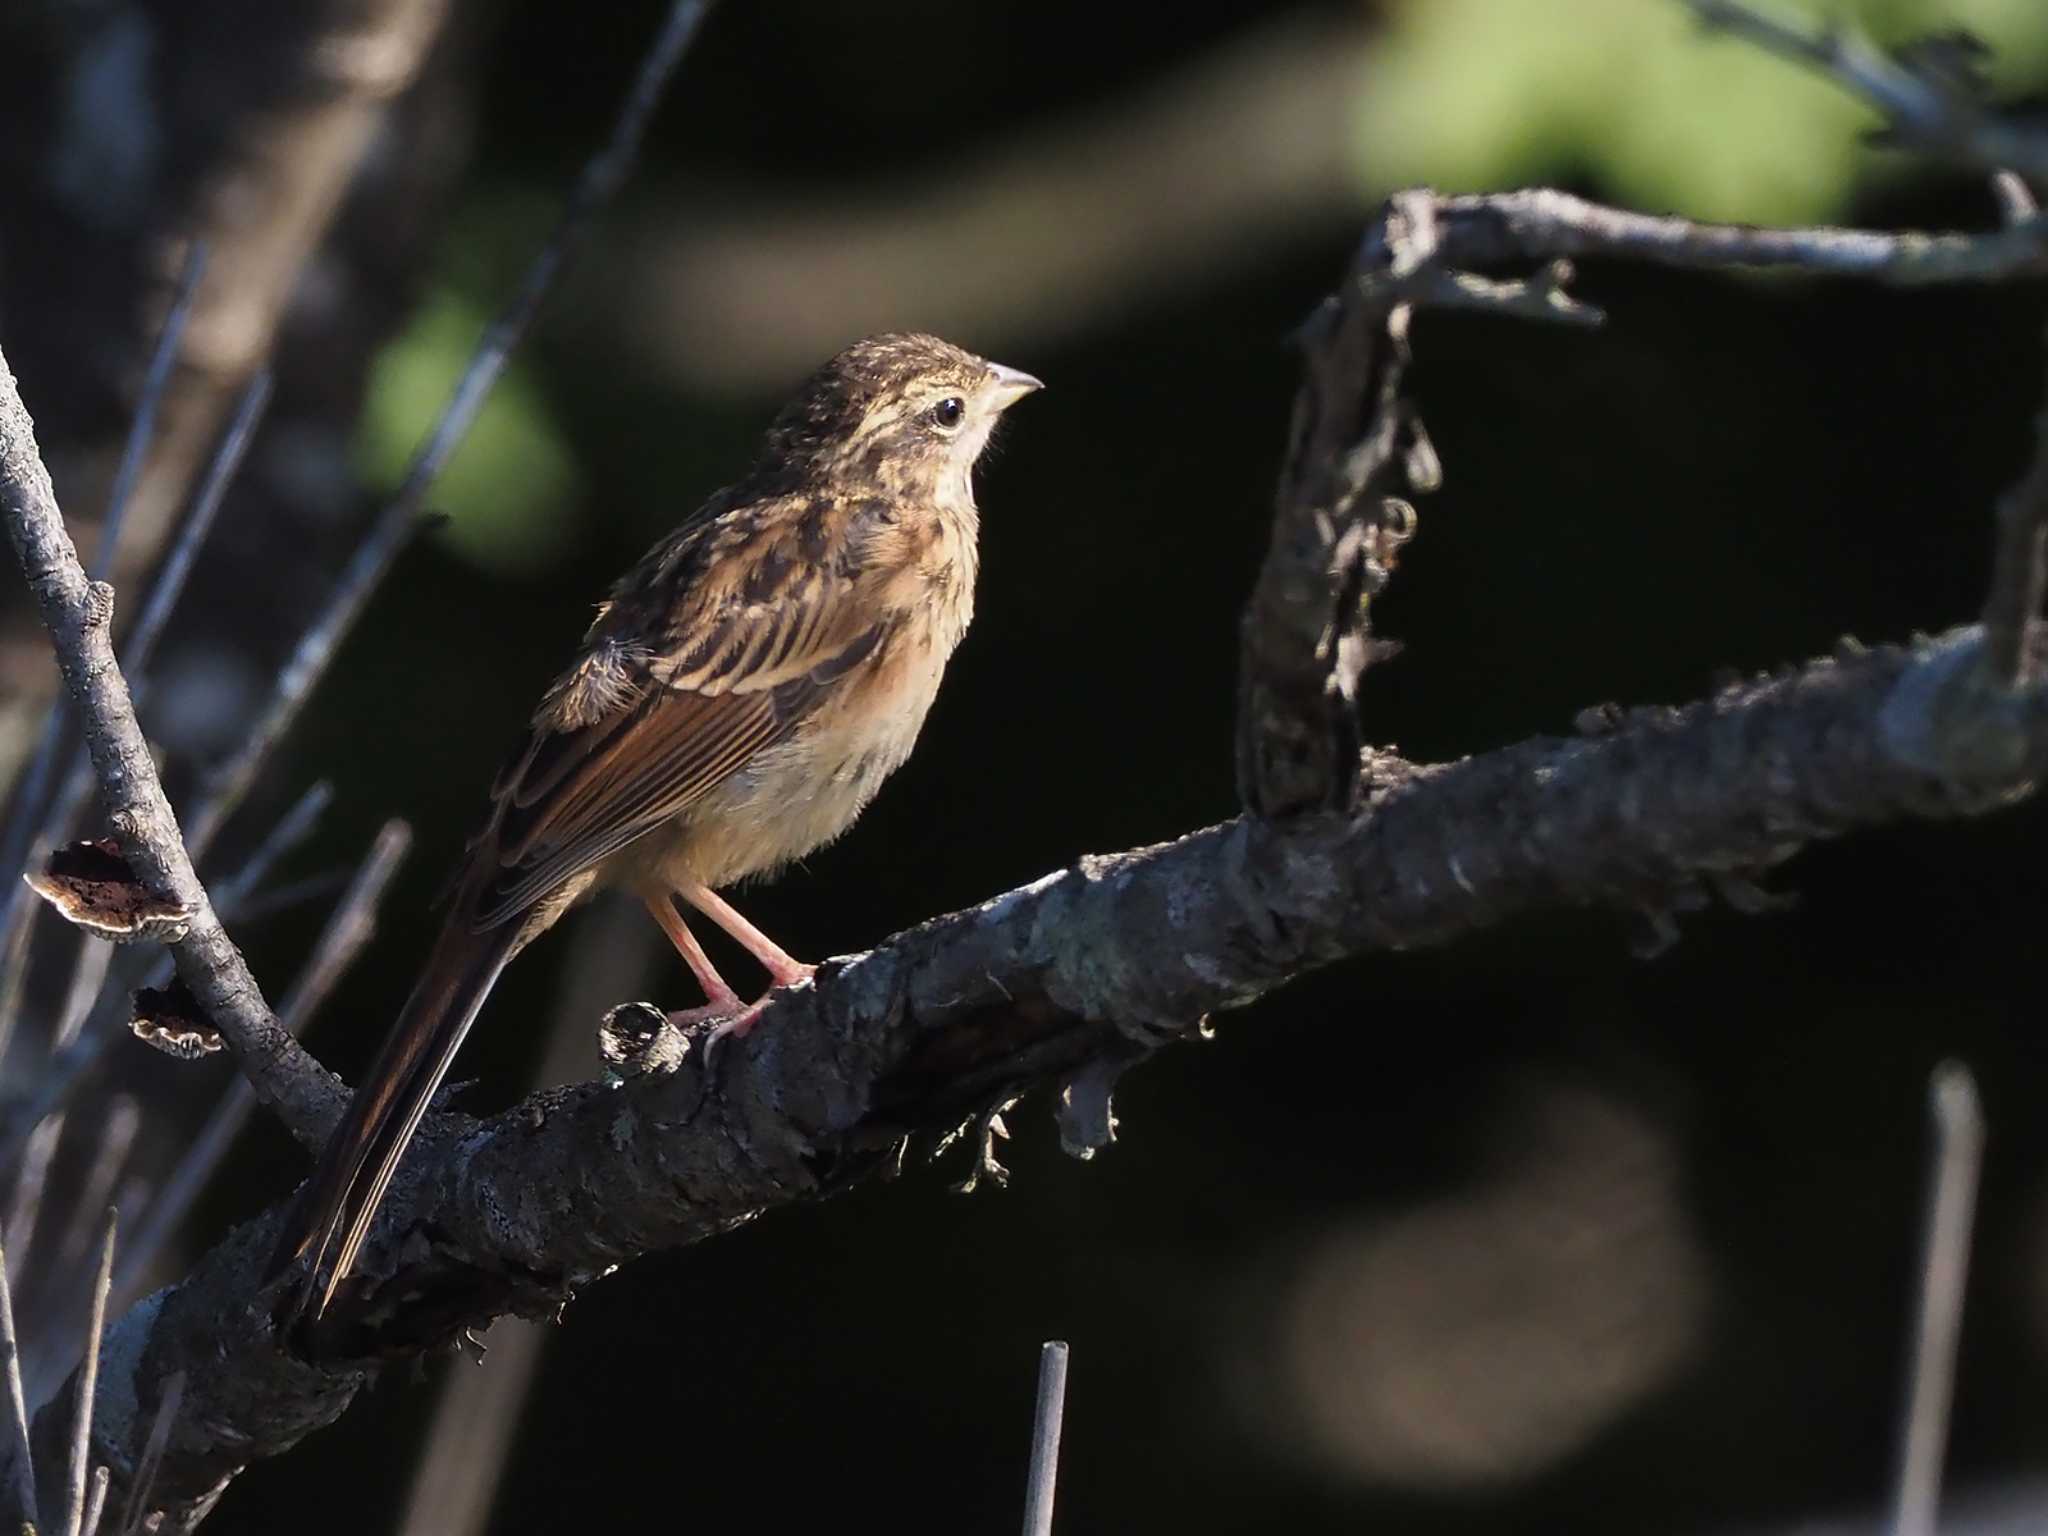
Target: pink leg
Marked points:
783	967
721	1001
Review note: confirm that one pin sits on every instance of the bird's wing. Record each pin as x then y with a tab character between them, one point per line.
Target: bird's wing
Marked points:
715	648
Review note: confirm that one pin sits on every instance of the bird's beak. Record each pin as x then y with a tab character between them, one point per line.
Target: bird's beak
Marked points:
1011	385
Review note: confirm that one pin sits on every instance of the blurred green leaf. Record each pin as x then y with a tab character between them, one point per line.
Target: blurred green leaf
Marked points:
1473	95
510	488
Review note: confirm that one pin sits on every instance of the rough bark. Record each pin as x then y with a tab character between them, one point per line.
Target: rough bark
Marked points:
1057	984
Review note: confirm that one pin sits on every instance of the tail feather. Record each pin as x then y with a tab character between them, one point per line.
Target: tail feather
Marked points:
335	1209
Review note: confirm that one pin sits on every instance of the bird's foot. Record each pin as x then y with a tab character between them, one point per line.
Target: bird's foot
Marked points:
710	1013
789	973
730	1020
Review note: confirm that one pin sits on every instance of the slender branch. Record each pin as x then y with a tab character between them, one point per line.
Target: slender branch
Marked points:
138	648
155	384
400	519
236	898
17	911
1956	1156
1542	224
2019	568
79	617
349	929
595	187
153	1454
95	1502
1925	112
87	1379
230	782
1047	1416
20	1463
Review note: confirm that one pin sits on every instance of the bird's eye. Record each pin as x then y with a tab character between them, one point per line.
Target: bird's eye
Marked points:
947	413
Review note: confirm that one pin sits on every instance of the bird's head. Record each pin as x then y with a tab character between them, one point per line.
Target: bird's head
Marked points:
906	413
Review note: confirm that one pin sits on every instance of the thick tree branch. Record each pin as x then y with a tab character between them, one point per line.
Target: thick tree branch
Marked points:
516	1213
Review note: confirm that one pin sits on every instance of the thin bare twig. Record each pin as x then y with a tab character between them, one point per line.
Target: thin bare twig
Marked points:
1956	1156
400	519
236	896
348	931
39	1148
1926	114
79	616
1542	224
2019	567
17	1403
229	783
1046	1421
88	1381
139	646
1938	117
599	182
139	1489
88	974
16	847
111	1143
2016	200
50	1290
350	928
135	451
95	1502
240	890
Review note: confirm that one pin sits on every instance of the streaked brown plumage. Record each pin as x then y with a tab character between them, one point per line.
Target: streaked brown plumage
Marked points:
741	695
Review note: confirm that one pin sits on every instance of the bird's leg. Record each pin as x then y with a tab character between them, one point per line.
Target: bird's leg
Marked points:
785	968
721	1001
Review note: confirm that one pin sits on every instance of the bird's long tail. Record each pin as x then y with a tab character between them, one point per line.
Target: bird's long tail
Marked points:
333	1212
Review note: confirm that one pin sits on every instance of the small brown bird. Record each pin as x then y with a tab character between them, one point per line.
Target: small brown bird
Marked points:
739	699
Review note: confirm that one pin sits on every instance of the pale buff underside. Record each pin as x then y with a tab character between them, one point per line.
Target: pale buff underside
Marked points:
801	794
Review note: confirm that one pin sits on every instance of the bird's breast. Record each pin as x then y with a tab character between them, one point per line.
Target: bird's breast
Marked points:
804	792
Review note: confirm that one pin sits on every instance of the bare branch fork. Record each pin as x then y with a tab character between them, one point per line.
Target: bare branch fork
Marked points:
1341	851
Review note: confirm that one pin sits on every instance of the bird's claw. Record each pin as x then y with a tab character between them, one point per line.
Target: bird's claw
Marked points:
725	1024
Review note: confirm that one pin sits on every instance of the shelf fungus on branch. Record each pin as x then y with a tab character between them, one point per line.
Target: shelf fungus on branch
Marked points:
93	887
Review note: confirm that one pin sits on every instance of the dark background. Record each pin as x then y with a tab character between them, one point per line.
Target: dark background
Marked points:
1526	1235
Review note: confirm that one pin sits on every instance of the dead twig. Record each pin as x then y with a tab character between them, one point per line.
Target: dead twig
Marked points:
88	1379
348	931
1046	1420
1955	1157
1925	109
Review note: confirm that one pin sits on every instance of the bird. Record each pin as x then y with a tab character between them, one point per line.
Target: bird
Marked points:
739	698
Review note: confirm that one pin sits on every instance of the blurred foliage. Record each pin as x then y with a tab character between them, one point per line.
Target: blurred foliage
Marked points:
1631	96
1474	95
510	489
